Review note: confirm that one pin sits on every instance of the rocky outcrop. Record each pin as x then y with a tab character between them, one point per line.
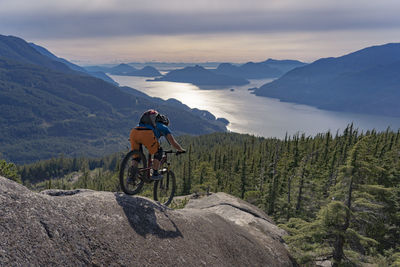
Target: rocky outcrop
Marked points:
249	217
85	227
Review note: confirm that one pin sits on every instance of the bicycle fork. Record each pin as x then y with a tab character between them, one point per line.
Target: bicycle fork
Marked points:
163	171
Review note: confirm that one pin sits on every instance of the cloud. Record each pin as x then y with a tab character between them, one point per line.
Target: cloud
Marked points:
113	18
199	30
226	47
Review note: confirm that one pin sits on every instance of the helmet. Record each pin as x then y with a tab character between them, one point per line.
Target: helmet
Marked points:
149	117
162	119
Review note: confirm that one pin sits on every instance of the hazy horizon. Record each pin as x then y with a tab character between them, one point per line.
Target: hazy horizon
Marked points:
111	31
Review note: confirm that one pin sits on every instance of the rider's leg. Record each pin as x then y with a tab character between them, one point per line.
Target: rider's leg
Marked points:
137	159
157	158
135	139
156	164
146	137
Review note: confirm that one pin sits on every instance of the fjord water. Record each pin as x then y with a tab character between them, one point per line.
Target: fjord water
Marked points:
256	115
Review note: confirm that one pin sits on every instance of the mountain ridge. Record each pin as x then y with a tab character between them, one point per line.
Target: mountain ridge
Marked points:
249	70
200	76
97	74
15	48
270	68
365	81
124	69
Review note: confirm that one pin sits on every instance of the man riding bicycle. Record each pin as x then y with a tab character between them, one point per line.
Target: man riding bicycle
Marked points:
151	127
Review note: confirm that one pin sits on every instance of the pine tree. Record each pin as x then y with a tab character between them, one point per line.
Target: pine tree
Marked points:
243	179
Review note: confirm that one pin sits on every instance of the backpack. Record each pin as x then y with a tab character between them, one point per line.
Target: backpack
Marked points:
152	116
149	117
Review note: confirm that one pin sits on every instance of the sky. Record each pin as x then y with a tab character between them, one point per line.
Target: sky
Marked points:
111	31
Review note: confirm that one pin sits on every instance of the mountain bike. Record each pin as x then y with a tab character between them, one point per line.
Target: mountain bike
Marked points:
136	170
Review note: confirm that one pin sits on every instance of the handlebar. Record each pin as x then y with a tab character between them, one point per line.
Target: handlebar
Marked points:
174	152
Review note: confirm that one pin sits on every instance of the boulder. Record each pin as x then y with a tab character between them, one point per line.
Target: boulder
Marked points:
85	227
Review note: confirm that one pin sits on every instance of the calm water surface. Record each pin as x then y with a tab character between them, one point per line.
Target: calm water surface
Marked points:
256	115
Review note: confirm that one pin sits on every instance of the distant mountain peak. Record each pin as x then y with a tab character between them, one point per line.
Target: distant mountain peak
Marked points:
197	67
364	81
200	76
283	61
124	65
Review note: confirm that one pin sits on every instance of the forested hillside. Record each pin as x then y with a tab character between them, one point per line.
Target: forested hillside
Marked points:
337	195
47	109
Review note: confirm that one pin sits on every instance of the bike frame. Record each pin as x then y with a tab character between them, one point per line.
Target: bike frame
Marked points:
163	160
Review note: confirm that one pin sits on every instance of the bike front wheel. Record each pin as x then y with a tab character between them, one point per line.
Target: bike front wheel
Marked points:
164	189
132	172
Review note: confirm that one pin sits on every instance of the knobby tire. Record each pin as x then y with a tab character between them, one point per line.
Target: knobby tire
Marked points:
127	169
164	189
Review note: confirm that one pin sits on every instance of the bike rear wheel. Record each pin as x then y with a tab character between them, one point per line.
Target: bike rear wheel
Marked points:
132	173
164	189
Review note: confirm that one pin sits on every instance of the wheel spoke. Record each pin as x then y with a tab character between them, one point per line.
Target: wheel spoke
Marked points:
131	172
164	189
